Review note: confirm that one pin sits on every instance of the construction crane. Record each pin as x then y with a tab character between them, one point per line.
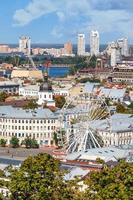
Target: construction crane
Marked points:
31	61
88	59
47	65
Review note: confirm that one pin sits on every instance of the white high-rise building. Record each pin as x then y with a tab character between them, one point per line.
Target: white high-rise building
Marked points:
115	53
94	43
123	43
25	45
81	45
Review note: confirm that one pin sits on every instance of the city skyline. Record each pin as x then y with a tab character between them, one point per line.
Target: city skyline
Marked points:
56	22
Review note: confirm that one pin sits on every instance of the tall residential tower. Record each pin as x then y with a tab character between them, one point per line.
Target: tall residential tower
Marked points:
25	45
123	43
94	43
81	45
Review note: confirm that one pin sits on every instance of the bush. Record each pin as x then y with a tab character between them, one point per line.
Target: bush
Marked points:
14	142
30	143
59	101
3	142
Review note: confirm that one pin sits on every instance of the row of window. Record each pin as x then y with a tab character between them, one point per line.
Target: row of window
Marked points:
46	96
28	121
24	135
38	128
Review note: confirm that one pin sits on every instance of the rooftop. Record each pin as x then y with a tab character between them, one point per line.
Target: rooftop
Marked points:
11	112
106	154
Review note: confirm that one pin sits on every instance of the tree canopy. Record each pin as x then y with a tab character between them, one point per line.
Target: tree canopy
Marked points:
3	96
31	105
111	183
30	143
14	142
59	101
39	178
3	142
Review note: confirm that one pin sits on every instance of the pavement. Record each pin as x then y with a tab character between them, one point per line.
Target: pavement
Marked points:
23	153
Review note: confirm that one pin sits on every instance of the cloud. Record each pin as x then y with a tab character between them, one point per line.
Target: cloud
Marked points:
34	10
76	16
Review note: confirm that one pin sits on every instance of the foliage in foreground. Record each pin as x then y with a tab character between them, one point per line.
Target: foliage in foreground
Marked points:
111	183
40	178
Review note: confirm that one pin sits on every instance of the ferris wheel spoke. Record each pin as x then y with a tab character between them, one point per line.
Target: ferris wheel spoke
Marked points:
101	114
86	111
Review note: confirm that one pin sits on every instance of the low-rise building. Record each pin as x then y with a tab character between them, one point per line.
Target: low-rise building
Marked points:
29	91
39	124
9	87
123	73
26	74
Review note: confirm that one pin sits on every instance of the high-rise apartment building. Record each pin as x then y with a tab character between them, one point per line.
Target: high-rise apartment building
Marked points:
81	45
115	54
68	48
94	43
25	45
123	43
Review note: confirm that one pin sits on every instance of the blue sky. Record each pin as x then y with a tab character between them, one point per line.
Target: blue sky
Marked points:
57	21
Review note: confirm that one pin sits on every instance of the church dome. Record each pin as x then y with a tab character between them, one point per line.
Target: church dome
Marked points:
46	86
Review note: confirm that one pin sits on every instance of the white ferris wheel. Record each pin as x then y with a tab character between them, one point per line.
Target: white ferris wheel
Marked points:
78	119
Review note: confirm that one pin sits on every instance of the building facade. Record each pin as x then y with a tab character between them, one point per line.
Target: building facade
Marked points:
115	54
39	124
68	49
9	87
123	73
123	43
25	45
81	45
94	43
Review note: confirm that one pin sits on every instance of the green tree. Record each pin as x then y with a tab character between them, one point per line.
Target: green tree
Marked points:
120	108
31	105
55	138
30	143
14	142
3	96
39	178
111	183
131	106
3	142
59	101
